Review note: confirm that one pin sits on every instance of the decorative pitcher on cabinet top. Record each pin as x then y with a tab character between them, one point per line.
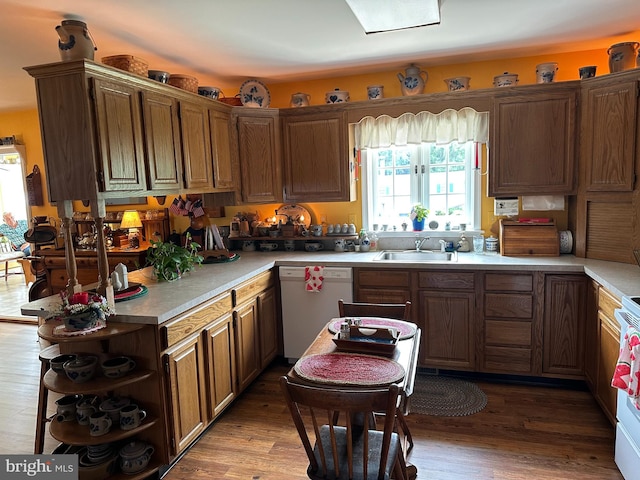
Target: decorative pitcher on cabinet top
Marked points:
412	83
75	41
299	100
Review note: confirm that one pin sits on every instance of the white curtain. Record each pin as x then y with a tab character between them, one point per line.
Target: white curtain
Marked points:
461	125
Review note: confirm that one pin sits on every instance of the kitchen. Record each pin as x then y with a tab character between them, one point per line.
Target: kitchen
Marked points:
332	210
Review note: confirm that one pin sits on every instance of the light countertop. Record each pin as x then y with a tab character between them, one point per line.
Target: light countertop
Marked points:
166	300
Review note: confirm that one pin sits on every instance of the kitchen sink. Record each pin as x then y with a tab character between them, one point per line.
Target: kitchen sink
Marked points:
416	256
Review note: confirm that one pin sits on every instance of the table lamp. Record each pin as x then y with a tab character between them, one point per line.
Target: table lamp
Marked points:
131	222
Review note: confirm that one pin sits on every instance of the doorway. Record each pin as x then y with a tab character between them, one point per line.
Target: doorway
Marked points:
13	198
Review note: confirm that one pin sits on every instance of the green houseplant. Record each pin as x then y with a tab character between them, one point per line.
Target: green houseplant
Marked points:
418	216
171	261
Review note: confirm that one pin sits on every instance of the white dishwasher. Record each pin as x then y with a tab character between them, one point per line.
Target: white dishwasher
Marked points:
304	313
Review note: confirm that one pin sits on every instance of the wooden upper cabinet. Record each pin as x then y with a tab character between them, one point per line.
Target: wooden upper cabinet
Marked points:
219	126
532	148
317	166
162	140
609	125
259	150
196	146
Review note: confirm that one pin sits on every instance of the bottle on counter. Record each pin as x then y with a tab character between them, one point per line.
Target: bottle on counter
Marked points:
373	241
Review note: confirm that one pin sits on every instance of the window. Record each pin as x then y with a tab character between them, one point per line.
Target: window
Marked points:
440	177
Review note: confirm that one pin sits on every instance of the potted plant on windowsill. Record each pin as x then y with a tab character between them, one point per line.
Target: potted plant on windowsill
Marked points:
171	261
418	216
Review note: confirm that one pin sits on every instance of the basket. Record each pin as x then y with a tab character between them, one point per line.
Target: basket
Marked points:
185	82
233	101
128	63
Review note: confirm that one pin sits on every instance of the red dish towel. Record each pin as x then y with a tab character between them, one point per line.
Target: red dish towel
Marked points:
626	376
313	278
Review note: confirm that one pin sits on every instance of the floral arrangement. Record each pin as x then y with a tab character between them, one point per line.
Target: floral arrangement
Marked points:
82	310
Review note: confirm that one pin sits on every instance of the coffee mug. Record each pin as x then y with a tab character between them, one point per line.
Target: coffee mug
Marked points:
66	407
131	417
99	424
84	412
587	72
268	247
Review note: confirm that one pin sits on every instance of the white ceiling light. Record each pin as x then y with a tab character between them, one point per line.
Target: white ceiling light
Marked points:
386	15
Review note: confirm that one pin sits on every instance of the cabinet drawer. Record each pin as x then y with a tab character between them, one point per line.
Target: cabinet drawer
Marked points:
383	278
607	303
446	280
249	290
514	333
508	359
508	305
509	282
194	320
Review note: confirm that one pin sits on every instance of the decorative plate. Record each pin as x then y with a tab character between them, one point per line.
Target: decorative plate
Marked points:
254	93
433	225
295	212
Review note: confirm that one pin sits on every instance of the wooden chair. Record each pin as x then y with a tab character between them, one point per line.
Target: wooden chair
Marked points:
355	449
398	311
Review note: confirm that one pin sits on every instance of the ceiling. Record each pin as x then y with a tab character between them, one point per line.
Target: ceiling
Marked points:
224	42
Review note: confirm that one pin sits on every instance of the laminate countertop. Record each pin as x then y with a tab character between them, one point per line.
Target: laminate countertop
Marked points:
166	300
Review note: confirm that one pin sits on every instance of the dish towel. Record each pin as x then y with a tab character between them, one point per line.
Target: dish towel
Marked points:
626	376
313	278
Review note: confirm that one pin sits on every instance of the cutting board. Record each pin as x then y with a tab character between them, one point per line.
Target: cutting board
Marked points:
522	239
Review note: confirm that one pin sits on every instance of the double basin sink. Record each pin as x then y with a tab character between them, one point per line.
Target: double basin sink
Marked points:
421	256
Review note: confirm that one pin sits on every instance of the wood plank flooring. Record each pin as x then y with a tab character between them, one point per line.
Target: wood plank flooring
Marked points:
14	293
525	432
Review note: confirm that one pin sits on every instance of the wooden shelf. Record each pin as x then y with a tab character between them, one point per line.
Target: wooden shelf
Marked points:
112	329
73	433
61	384
310	238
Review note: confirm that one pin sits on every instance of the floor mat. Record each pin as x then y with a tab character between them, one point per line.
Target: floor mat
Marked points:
446	397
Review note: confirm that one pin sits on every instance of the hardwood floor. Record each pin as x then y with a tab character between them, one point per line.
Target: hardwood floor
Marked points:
14	293
525	432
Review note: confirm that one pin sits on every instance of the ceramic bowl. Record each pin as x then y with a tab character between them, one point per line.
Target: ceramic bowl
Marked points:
113	405
81	369
57	363
81	321
117	367
313	247
159	76
209	92
90	470
505	80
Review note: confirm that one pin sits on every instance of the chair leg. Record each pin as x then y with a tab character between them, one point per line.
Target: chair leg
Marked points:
405	430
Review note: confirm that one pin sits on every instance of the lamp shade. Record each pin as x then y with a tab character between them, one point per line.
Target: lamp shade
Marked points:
130	219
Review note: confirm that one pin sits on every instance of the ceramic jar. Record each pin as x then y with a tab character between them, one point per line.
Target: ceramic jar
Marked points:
375	92
622	56
505	80
456	84
135	456
75	43
546	72
300	100
414	80
337	96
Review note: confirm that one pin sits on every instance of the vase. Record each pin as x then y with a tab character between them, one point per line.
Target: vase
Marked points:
418	225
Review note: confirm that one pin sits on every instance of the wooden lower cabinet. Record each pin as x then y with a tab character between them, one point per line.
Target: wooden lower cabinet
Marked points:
603	345
219	338
186	368
564	325
268	316
382	286
245	318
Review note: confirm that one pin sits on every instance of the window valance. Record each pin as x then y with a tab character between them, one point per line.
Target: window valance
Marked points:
461	125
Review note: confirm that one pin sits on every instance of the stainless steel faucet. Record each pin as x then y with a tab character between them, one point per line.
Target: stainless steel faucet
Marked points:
419	241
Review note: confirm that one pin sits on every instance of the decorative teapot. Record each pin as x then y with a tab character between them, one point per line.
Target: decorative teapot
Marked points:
413	83
135	456
75	41
300	99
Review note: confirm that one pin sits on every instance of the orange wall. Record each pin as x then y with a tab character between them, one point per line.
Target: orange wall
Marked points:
25	124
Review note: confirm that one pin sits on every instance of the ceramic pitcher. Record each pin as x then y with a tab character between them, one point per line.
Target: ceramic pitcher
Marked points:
412	83
75	42
299	100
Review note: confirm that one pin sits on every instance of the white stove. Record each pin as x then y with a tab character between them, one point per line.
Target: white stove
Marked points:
627	453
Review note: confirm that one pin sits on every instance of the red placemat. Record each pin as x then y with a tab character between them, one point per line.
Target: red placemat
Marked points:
405	329
130	294
349	369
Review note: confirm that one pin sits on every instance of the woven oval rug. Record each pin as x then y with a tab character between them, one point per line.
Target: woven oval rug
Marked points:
446	397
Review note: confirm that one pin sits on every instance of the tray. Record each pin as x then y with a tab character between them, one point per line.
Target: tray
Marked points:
370	347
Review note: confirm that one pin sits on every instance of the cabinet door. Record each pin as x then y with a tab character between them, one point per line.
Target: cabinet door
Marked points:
196	146
221	364
261	175
187	392
268	323
316	158
247	344
591	351
119	131
609	348
447	320
532	144
564	329
609	136
162	139
221	149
